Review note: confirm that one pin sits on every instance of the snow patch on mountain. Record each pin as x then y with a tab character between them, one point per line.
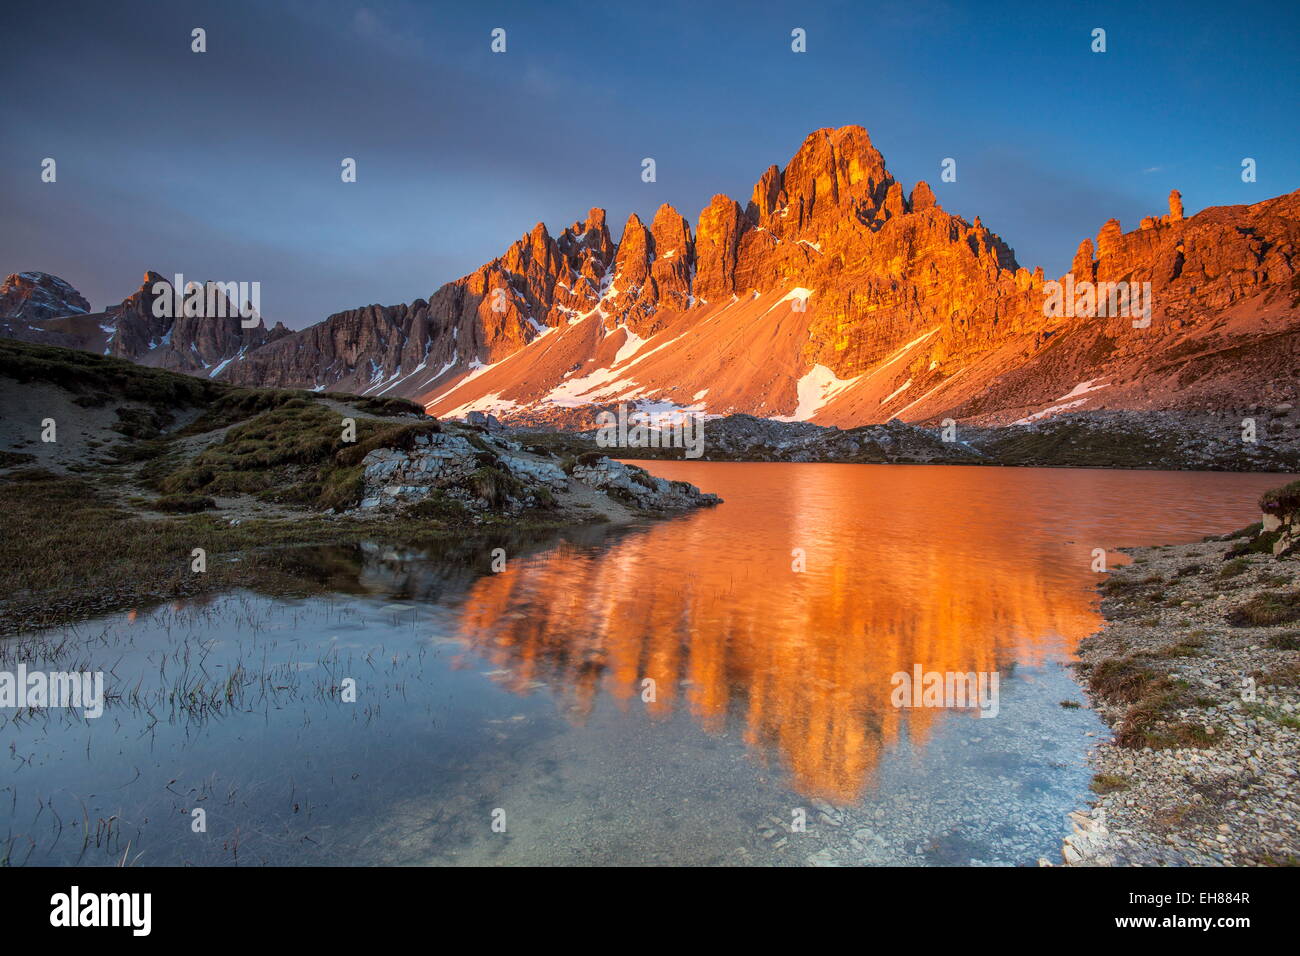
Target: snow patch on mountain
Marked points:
817	387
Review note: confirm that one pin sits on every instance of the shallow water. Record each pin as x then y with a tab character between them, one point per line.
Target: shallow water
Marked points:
521	696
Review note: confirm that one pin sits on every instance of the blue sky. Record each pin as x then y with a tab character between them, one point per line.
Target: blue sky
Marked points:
225	165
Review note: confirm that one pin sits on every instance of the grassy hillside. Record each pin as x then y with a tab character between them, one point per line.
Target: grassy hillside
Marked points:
149	465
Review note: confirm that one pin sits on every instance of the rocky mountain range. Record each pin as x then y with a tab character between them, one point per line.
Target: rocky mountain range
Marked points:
831	296
37	307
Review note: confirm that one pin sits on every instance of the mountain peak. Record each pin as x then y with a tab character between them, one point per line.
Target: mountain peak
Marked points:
633	222
922	197
835	171
36	296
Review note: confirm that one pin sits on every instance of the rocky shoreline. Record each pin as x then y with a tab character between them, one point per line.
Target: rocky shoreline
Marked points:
1244	439
122	485
1197	672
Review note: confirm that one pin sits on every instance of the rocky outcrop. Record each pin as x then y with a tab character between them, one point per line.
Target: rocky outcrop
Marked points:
717	246
395	476
638	487
1280	522
482	420
468	469
1175	206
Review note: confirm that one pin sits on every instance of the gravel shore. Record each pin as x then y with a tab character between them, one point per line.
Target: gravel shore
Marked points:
1197	672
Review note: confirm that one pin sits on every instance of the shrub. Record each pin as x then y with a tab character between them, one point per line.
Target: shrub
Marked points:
494	486
440	506
1267	609
1104	783
10	458
1261	544
400	437
385	406
1281	501
184	504
1290	641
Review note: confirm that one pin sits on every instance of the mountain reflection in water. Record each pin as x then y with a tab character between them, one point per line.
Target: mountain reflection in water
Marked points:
954	569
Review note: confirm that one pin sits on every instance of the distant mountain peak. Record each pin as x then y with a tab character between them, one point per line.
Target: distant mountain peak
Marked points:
199	345
36	296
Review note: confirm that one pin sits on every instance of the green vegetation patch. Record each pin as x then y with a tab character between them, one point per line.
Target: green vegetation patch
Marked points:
67	544
1066	442
236	405
1189	646
1124	679
142	423
1104	783
291	451
1281	501
1262	543
184	504
384	435
382	406
98	377
1290	641
1153	699
1120	585
255	456
495	485
1267	609
441	507
1250	531
1234	567
10	459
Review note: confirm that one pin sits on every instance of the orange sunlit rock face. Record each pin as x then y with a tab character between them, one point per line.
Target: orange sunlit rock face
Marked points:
800	662
916	312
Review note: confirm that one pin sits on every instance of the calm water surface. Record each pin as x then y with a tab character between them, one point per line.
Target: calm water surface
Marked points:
522	695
